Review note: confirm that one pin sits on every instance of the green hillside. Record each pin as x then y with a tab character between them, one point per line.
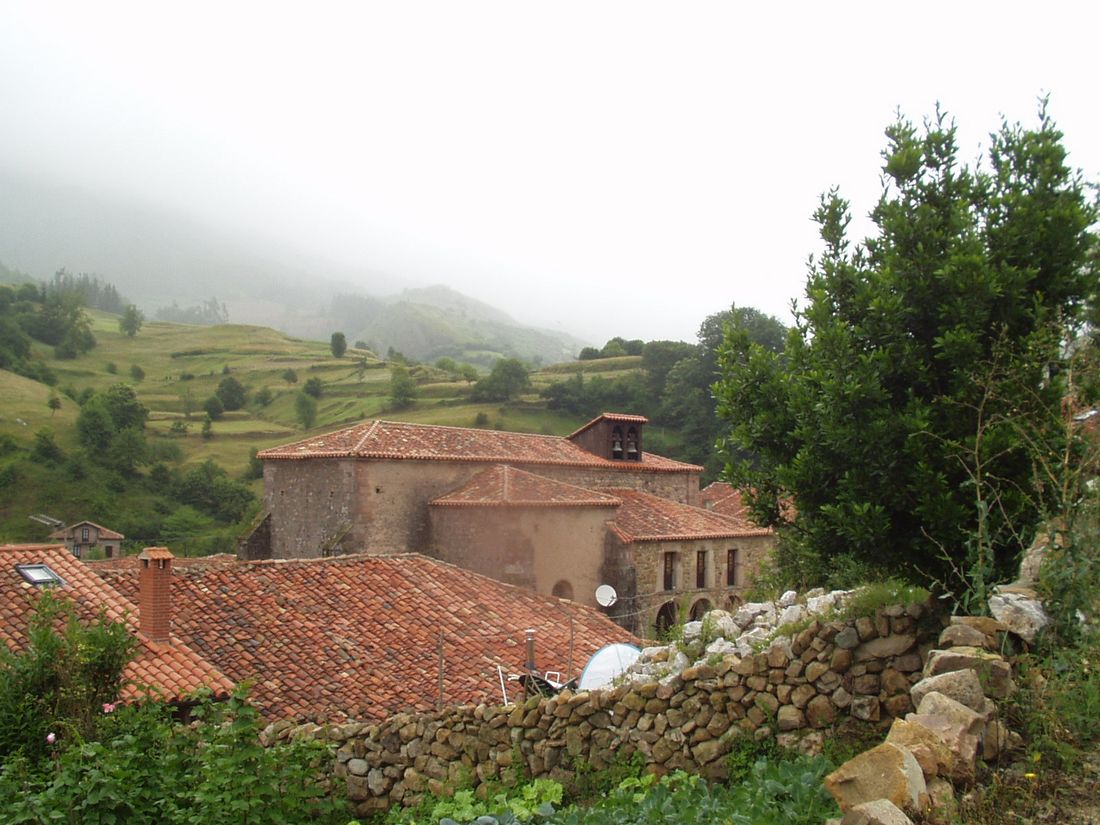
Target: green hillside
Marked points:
178	368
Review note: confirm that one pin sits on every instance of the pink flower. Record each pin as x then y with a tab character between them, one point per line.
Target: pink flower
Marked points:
51	738
109	707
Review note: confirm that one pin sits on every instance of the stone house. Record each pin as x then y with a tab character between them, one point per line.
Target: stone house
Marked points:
87	536
560	516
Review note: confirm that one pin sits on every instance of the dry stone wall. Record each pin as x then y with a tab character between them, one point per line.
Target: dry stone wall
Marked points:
676	717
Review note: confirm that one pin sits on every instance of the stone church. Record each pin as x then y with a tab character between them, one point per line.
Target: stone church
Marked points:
560	516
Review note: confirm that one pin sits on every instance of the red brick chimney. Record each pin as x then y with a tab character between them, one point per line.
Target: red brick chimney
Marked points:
155	593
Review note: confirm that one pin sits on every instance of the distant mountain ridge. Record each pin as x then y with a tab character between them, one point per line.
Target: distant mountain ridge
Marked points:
157	257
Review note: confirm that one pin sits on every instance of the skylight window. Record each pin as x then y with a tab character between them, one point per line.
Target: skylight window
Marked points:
40	575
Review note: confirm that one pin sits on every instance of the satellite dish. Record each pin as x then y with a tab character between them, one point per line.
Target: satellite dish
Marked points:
607	663
606	595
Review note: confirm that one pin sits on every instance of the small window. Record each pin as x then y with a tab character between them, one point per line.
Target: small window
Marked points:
670	571
701	569
83	533
733	577
40	575
76	550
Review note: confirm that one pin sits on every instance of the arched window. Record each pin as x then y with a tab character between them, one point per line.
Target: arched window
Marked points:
700	609
666	619
617	442
563	590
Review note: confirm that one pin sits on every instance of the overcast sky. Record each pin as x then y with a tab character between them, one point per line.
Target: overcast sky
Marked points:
603	168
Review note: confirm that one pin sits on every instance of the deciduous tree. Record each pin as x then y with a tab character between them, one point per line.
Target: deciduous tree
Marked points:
130	322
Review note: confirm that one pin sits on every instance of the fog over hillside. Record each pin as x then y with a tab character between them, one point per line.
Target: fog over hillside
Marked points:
156	258
602	168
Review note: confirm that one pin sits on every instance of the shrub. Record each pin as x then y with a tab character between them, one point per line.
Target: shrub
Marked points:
213	408
231	393
62	679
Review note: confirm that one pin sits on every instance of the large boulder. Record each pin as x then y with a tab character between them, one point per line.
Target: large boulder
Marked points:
993	671
887	771
927	746
877	812
972	721
1020	610
961	685
961	744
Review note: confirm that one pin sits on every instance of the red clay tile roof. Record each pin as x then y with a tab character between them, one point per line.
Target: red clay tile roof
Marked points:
128	562
358	636
503	486
432	442
722	497
645	517
104	533
175	670
610	416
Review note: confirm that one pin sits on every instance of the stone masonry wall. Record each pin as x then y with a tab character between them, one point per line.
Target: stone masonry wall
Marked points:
793	686
380	506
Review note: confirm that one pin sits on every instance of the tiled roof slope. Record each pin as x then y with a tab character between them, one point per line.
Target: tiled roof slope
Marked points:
503	486
128	562
432	442
358	636
645	517
622	418
174	670
104	533
722	497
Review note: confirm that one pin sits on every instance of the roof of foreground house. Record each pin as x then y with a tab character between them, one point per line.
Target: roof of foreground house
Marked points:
645	517
359	636
433	442
174	670
503	486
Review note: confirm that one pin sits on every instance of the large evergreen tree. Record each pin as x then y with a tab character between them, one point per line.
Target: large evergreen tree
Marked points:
885	419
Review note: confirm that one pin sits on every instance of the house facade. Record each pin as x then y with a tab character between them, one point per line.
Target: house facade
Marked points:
86	538
559	516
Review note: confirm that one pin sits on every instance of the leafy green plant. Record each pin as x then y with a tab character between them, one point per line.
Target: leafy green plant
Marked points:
147	768
870	597
57	686
789	792
527	801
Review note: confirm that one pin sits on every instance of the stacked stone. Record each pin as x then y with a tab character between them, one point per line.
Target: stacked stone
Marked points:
686	720
931	752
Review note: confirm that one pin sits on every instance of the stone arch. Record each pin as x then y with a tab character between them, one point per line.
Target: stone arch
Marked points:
563	590
700	608
666	619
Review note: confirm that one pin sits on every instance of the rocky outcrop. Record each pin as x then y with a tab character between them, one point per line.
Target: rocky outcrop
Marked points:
955	723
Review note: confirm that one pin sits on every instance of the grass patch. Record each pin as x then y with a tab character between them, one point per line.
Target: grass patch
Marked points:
870	597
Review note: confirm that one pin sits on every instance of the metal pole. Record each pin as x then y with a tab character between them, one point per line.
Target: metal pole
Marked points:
570	676
530	639
439	703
